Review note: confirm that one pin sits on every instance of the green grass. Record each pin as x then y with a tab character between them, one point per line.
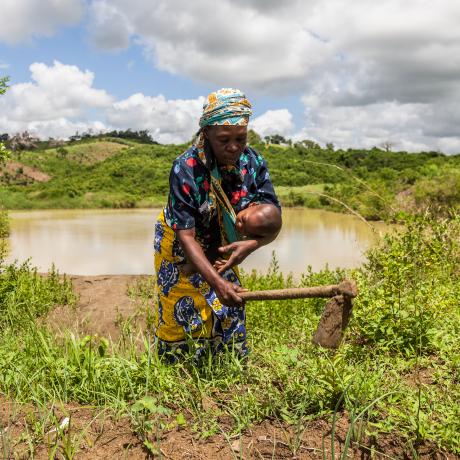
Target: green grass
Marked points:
397	371
309	196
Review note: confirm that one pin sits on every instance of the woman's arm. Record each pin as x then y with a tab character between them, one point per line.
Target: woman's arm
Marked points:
226	292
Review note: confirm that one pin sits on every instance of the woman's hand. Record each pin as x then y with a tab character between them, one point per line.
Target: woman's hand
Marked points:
239	251
228	293
197	261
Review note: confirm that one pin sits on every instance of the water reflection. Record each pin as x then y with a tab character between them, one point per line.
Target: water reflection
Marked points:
91	242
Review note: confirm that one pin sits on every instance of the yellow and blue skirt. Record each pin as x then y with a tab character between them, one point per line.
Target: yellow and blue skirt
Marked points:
187	311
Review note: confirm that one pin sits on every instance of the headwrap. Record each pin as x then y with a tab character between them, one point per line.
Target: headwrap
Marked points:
227	106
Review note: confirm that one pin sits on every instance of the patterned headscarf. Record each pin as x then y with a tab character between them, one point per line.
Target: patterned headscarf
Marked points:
227	106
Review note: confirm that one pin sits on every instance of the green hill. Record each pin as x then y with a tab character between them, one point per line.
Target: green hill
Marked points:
109	172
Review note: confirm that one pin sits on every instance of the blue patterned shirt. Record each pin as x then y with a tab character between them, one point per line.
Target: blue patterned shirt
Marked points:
190	203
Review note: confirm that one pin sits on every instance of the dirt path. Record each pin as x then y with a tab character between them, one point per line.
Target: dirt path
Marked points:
103	303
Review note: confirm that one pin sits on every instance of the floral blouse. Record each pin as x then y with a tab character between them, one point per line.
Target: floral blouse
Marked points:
191	202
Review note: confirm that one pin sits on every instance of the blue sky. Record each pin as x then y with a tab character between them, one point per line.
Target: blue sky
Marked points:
355	74
121	72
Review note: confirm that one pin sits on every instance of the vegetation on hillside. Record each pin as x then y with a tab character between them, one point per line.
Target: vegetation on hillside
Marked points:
124	172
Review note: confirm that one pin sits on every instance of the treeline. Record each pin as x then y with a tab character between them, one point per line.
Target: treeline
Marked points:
27	141
142	136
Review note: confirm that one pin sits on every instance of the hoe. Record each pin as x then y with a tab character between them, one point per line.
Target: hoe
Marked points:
336	314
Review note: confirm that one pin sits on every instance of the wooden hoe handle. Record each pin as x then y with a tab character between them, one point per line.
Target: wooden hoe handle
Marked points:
346	288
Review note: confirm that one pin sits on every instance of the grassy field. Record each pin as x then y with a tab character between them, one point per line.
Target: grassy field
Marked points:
392	389
120	173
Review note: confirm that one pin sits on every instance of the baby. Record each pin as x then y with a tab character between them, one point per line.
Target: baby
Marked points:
256	221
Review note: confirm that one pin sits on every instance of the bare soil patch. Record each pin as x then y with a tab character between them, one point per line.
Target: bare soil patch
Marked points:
21	172
94	152
104	303
92	433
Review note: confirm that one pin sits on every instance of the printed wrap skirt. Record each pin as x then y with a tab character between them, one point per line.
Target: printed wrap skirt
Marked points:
187	310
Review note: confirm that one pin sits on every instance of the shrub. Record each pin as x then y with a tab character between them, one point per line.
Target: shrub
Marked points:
412	286
26	295
4	233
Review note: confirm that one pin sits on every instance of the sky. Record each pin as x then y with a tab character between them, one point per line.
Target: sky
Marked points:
353	73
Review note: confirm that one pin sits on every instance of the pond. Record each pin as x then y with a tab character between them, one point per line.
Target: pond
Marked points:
95	242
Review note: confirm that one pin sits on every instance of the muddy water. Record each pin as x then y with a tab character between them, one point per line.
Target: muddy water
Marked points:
93	242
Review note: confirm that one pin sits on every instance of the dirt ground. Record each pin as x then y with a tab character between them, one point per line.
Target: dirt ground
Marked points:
103	303
21	171
93	433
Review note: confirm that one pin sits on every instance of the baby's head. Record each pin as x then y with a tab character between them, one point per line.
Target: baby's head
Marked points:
259	221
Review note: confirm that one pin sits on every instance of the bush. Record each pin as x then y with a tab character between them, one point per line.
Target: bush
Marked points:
4	225
4	233
26	295
412	287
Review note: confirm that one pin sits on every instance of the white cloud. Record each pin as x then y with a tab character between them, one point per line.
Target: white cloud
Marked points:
56	91
109	28
24	19
409	127
397	62
169	121
274	122
60	100
349	60
368	72
285	46
231	44
59	96
58	128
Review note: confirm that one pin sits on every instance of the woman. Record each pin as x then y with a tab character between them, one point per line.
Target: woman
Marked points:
197	247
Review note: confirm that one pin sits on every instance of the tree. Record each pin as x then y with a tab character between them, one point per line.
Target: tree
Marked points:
275	139
309	144
387	146
3	84
3	151
62	152
54	143
23	141
75	137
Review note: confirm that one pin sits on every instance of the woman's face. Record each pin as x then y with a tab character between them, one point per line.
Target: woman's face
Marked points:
227	142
